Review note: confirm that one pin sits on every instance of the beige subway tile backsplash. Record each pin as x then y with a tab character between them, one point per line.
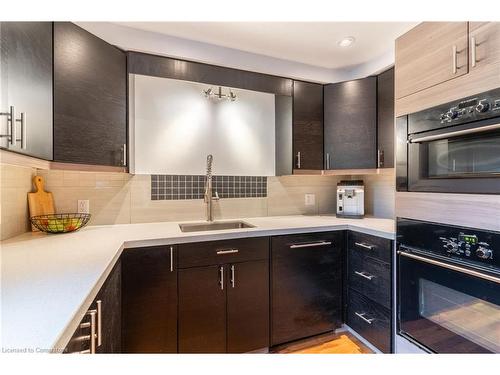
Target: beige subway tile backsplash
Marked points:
15	184
120	198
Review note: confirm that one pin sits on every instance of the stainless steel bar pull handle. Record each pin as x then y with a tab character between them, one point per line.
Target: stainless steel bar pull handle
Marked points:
233	282
362	316
99	322
380	158
456	133
364	274
311	244
298	160
124	154
364	246
452	267
454	59
327	160
24	130
171	259
473	46
11	129
92	331
228	251
221	278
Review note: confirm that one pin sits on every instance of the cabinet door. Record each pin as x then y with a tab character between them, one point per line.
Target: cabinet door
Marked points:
385	119
307	125
149	300
90	124
110	300
484	40
248	306
306	285
26	84
351	124
106	311
430	53
202	309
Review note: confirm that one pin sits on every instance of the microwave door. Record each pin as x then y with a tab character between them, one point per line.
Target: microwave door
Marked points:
465	160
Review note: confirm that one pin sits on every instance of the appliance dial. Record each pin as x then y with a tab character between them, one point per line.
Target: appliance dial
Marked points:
484	253
452	114
483	106
452	247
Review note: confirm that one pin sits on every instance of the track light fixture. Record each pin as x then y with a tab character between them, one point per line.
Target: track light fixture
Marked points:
219	95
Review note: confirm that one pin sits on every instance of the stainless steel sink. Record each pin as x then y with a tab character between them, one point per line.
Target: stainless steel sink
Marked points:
222	225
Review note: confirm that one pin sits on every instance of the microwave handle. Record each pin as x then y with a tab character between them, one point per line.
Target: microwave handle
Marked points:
455	133
451	267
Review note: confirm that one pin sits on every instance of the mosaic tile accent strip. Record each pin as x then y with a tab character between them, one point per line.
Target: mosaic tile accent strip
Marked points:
172	187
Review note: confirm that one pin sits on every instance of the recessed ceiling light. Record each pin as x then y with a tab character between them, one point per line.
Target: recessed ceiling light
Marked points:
347	41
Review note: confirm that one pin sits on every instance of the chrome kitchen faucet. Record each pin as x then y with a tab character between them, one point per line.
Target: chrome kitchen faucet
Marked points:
208	189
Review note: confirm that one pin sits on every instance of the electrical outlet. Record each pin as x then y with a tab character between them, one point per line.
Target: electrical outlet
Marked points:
310	199
84	206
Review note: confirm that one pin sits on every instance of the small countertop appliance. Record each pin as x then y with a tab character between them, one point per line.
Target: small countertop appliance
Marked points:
351	199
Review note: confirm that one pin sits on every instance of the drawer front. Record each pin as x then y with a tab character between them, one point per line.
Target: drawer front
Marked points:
222	252
376	247
370	320
370	277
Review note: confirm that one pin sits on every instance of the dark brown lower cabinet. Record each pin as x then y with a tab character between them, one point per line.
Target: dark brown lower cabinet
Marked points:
248	306
149	300
370	320
110	297
369	288
202	310
103	318
224	308
306	285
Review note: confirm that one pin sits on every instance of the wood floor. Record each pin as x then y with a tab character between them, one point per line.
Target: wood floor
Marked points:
337	343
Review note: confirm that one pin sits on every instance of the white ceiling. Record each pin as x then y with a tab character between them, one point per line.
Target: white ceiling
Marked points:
312	43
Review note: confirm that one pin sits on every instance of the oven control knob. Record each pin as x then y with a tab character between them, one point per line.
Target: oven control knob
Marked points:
452	114
484	253
451	247
483	106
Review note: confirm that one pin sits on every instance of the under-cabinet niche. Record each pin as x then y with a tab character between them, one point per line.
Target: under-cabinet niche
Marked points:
175	124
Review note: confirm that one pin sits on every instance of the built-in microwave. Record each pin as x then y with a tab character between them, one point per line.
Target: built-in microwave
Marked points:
453	148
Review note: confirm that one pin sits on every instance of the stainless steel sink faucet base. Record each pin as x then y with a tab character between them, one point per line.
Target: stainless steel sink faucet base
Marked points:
208	190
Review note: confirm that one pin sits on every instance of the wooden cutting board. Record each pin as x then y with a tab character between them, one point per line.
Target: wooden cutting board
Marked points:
40	202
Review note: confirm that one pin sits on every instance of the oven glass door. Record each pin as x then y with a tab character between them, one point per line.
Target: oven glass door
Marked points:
455	161
446	310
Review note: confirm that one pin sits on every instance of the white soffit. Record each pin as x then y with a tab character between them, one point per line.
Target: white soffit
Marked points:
300	50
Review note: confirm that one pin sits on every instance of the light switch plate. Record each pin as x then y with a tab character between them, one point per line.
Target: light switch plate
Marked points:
84	206
310	199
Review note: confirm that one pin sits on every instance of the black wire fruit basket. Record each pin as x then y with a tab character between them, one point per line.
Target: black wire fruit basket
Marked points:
60	223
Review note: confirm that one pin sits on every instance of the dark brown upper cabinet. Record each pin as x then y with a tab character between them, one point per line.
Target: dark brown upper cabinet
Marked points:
307	125
90	98
26	88
385	119
351	124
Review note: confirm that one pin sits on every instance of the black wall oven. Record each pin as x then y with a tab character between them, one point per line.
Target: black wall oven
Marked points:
452	148
448	287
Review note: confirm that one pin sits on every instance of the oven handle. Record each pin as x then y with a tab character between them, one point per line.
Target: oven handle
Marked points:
452	267
455	133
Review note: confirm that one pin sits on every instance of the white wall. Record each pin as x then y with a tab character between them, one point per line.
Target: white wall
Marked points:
175	127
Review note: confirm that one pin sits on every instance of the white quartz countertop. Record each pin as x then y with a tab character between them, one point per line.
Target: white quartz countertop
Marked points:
49	281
